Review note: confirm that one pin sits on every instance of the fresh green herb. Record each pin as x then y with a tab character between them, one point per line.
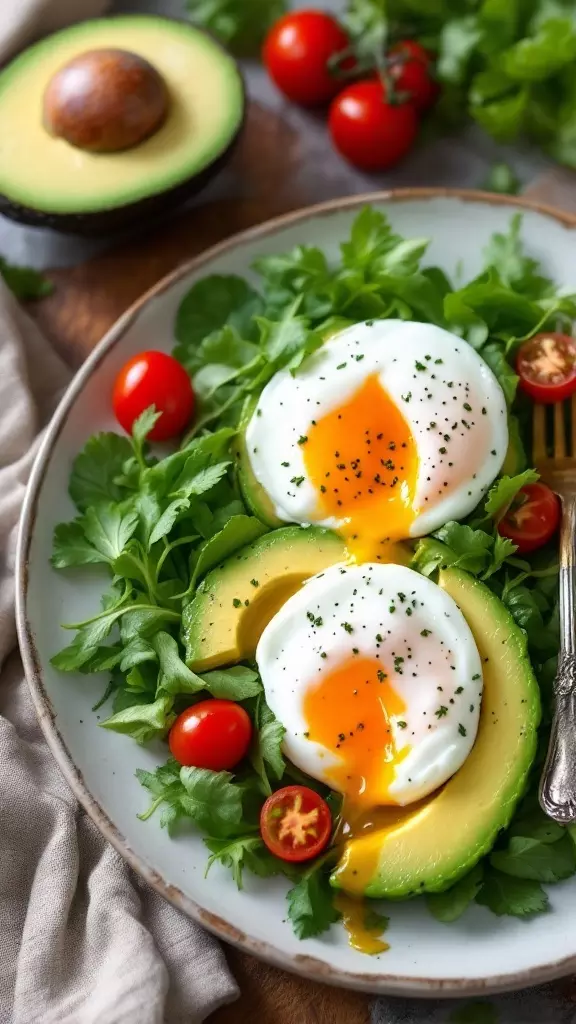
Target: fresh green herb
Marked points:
25	282
311	903
240	25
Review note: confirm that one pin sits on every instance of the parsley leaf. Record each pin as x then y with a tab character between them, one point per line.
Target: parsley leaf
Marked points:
236	683
71	546
239	531
212	800
109	529
450	905
311	903
209	305
175	677
246	853
517	897
97	469
143	722
266	749
503	492
530	858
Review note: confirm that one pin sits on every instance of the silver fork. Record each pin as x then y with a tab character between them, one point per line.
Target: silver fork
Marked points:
558	782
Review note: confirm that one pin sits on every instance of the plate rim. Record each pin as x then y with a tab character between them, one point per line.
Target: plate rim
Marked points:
301	964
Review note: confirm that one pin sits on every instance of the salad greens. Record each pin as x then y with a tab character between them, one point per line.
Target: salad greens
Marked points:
156	525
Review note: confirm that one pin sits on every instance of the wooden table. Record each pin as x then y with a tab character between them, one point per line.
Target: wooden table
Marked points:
88	299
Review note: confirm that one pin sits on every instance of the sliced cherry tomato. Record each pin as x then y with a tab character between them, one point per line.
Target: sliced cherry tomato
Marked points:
546	366
410	72
370	132
154	378
295	823
296	54
532	519
213	734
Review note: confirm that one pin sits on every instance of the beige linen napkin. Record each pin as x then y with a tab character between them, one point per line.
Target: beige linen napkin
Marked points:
82	939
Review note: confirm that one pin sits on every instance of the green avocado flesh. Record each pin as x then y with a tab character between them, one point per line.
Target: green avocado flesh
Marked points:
205	111
232	606
428	847
252	491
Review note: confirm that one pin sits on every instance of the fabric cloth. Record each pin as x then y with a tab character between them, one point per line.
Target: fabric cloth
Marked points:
82	939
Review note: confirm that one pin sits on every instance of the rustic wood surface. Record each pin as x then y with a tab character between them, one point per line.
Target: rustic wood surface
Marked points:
86	302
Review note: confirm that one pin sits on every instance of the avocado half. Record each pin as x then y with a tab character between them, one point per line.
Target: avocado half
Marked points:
46	182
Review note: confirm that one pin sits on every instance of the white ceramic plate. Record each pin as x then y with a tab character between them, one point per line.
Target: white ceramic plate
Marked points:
480	953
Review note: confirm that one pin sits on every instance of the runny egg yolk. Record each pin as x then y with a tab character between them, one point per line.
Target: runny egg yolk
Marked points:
363	462
349	713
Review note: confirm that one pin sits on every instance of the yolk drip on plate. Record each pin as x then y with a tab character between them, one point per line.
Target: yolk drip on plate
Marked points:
349	714
363	461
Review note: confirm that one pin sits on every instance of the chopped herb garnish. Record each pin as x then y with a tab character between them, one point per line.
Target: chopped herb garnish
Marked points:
441	712
347	627
237	602
425	632
461	729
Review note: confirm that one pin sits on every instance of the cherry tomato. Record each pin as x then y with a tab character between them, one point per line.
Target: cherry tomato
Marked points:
546	366
532	518
295	823
370	132
213	734
410	73
296	54
154	378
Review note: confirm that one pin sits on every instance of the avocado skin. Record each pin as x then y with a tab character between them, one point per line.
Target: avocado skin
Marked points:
120	218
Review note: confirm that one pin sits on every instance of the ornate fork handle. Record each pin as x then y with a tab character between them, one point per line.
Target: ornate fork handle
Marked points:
558	782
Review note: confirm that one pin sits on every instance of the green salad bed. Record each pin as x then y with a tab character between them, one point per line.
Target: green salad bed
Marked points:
161	523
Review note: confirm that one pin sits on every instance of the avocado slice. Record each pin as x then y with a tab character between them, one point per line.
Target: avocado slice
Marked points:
515	460
429	846
253	493
96	191
224	621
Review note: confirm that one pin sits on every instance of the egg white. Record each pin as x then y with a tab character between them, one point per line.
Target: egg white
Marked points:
435	665
454	380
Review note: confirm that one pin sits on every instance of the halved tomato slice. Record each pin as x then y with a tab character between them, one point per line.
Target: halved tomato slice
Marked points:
295	823
546	365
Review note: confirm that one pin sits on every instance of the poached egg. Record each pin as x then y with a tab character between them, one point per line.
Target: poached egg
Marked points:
376	677
388	431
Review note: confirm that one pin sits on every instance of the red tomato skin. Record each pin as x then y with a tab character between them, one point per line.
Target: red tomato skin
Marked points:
270	821
412	75
542	510
154	378
368	131
213	734
296	54
543	391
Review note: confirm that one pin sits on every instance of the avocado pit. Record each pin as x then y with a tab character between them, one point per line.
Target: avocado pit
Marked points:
105	101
